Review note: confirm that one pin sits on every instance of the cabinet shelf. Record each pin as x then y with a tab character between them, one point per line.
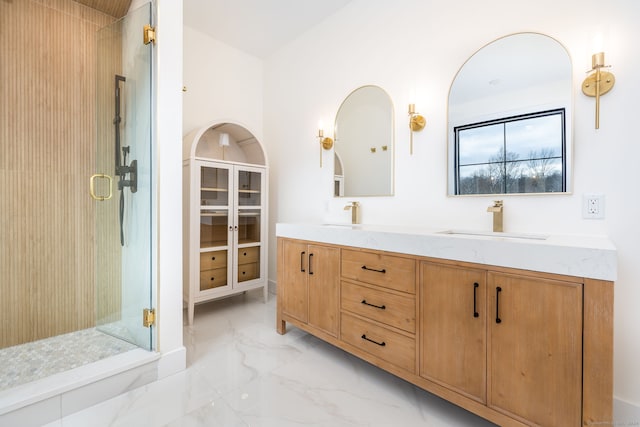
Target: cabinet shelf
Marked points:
210	244
249	191
220	189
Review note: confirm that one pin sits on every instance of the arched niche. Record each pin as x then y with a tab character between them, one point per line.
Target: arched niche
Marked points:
243	146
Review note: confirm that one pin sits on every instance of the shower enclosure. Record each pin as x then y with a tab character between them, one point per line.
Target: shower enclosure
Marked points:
122	182
76	167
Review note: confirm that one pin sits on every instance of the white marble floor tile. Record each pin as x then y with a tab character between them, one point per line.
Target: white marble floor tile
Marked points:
242	373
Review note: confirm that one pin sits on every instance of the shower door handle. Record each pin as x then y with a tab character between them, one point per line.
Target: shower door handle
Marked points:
92	187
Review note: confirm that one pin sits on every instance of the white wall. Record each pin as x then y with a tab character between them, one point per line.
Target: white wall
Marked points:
222	83
168	146
414	46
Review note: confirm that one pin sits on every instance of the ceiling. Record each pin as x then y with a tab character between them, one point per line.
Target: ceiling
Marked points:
258	27
116	8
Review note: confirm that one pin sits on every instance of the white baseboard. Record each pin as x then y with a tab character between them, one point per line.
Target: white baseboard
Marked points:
271	285
172	362
625	414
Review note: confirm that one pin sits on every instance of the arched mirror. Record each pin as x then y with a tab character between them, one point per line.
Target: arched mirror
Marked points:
364	144
509	124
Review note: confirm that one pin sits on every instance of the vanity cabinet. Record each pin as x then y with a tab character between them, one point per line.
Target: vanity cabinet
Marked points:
506	335
308	288
453	328
535	349
517	347
378	306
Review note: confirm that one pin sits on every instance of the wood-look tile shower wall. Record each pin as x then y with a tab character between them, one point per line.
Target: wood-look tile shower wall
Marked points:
47	154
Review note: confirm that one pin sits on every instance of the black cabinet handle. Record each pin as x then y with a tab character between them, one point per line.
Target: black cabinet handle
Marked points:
498	290
244	253
310	258
381	307
213	258
302	261
364	267
381	344
475	310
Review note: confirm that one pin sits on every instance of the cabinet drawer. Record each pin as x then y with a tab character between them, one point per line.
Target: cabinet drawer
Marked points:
214	278
380	342
248	255
211	260
248	271
390	309
380	269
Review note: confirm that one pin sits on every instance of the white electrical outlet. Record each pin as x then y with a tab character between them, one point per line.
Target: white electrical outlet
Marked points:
593	206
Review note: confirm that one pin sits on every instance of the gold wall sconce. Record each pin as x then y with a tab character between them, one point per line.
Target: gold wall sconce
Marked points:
598	82
325	142
417	122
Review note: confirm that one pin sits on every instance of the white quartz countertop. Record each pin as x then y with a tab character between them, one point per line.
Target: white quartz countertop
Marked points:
581	256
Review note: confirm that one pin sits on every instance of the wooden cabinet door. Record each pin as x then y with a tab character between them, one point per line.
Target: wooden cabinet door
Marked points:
453	328
535	349
294	279
324	288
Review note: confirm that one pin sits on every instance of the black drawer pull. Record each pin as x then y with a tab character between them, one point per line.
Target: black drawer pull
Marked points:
381	344
475	310
244	253
498	290
302	261
364	267
381	307
213	278
310	269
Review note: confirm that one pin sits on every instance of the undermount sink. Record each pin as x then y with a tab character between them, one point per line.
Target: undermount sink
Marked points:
343	225
495	234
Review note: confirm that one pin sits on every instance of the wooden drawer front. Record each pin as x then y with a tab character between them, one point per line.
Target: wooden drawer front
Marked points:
249	255
390	309
380	342
213	278
379	269
247	271
211	260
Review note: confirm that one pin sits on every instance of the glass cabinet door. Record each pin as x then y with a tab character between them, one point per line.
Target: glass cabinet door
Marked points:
214	186
249	207
215	226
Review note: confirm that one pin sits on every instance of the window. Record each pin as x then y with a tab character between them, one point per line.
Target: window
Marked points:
519	154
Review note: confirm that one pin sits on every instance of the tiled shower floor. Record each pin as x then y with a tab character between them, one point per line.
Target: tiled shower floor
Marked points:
24	363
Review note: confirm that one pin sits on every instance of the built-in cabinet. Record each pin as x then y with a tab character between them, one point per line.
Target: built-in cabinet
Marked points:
535	348
516	347
311	289
225	209
453	328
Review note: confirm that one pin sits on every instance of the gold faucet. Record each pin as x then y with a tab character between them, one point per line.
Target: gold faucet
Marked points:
497	209
355	218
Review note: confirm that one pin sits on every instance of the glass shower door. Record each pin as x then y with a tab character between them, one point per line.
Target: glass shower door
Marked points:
122	184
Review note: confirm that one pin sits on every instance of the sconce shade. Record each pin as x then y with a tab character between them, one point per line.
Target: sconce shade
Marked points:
224	140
